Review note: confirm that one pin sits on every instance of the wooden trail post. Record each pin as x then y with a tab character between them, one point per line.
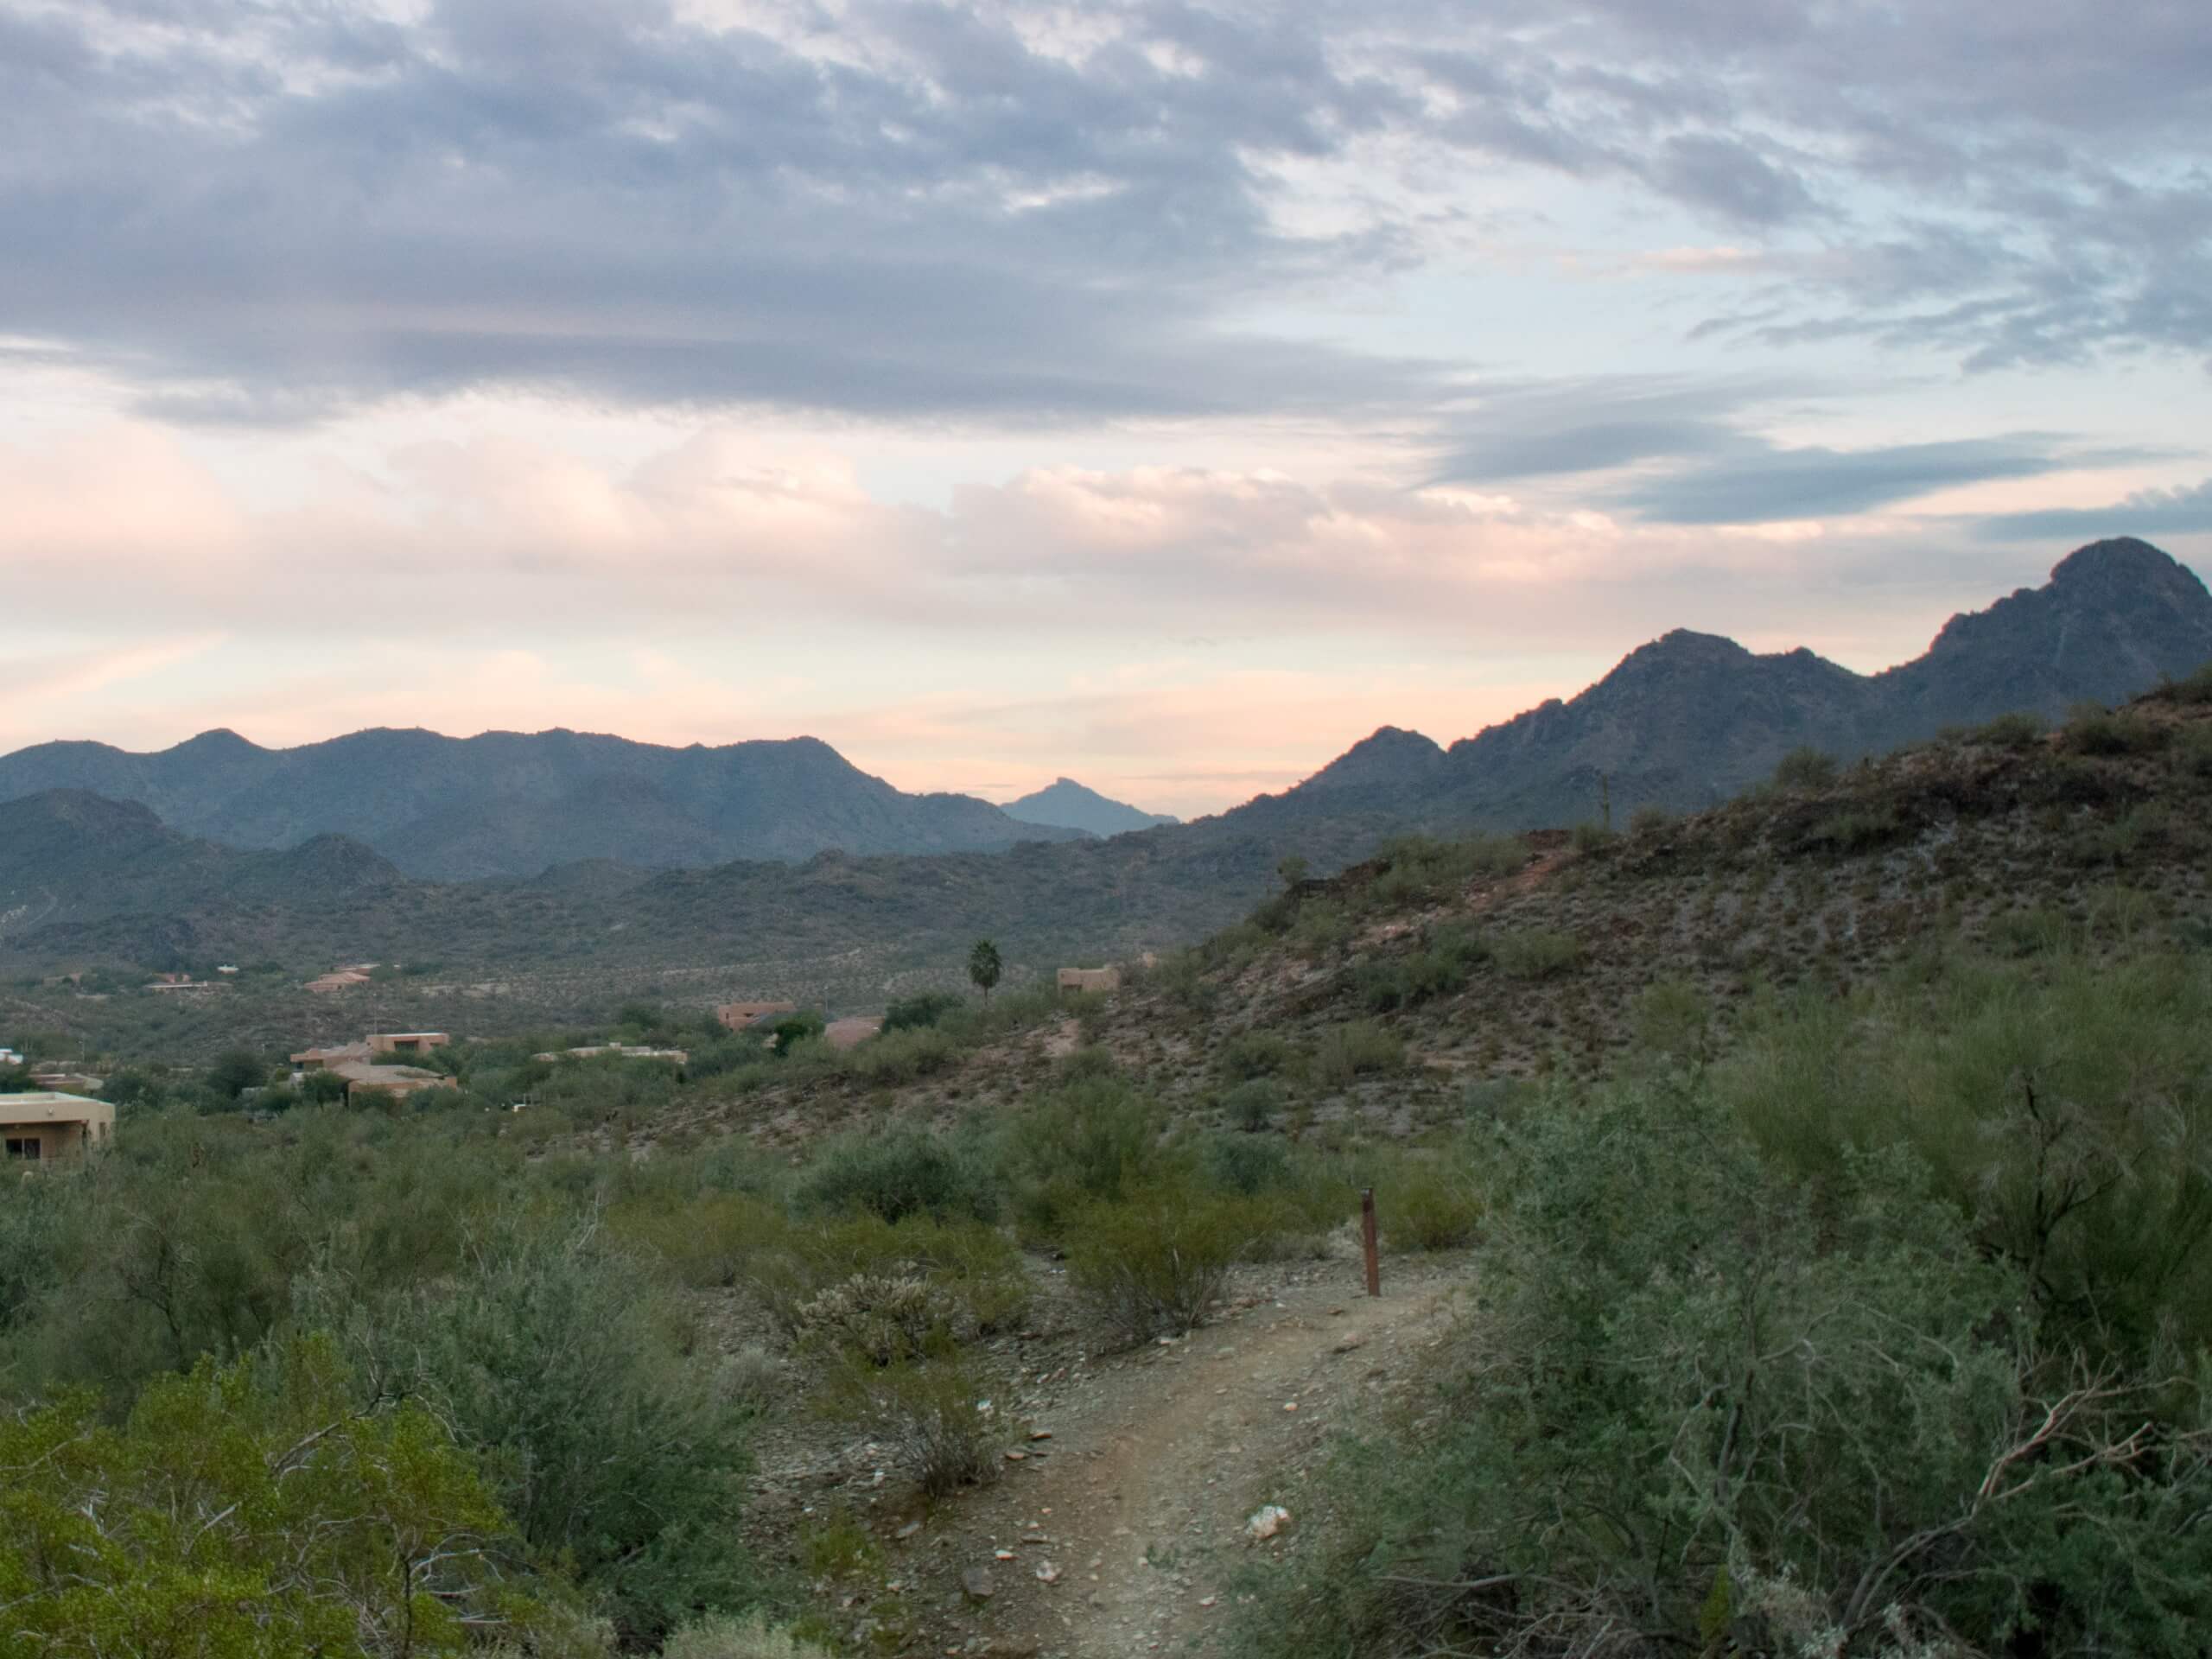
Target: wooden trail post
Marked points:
1367	1239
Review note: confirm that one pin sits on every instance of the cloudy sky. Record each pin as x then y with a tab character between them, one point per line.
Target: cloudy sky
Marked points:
1162	393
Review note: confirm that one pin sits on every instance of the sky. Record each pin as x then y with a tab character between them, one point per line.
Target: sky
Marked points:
1165	395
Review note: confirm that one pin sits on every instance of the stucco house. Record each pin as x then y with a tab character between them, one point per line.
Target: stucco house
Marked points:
49	1128
406	1042
739	1015
1083	982
396	1081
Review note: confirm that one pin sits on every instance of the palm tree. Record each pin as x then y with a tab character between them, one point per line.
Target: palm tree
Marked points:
983	966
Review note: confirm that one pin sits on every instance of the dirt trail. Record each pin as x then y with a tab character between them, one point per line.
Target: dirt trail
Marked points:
1136	1515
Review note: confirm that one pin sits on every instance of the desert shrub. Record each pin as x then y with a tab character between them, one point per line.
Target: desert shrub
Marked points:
1428	1203
1805	768
554	1359
2035	931
1731	1416
2118	841
2195	688
2194	752
705	1241
1254	1054
1324	928
2014	731
1344	1053
920	1011
2094	730
1251	1105
1495	856
1591	837
973	1269
1856	829
1438	967
1648	820
1246	1164
1672	1019
906	1172
933	1420
254	1509
1098	1139
1092	1060
719	1637
1156	1265
2063	1107
880	1319
1536	952
898	1057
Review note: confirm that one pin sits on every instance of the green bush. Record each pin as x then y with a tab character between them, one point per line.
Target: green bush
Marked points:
920	1011
1856	829
2094	730
1697	1403
1649	820
1344	1053
1254	1054
1591	837
1536	953
2195	688
1805	769
895	1057
1438	967
1429	1202
1094	1139
1251	1105
905	1171
554	1359
1157	1265
2064	1106
2015	731
1672	1020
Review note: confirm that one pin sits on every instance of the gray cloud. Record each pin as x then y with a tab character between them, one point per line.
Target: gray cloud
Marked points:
2147	512
1765	483
258	212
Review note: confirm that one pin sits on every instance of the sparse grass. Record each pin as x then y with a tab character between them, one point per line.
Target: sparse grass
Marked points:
1536	952
1804	770
1344	1053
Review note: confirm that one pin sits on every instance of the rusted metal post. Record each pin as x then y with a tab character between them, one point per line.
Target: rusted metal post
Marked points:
1366	1238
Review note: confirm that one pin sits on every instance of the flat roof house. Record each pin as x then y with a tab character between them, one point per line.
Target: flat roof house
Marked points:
1089	981
406	1042
738	1015
49	1128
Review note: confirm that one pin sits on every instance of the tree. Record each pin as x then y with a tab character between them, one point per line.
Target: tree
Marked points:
1292	870
236	1071
984	967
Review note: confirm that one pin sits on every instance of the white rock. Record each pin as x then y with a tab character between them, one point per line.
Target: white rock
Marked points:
1267	1521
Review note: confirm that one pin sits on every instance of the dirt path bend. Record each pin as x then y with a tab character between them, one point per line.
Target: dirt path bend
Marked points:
1120	1541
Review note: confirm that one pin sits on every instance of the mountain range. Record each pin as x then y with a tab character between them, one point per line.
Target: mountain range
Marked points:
1681	722
514	803
1069	806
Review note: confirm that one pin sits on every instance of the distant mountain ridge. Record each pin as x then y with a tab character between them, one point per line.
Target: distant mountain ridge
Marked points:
507	803
1691	719
1681	722
1069	806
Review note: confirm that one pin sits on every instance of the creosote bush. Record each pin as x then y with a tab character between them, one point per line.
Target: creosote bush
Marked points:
1805	769
1156	1265
2094	730
934	1420
1343	1054
1536	952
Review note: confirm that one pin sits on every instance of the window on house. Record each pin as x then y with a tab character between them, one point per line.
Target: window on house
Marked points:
23	1146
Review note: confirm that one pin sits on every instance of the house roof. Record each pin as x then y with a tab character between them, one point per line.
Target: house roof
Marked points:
332	1056
403	1078
46	1107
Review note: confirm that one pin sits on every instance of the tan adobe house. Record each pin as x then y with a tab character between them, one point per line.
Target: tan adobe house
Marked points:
406	1042
315	1059
343	980
397	1081
49	1128
738	1015
1086	981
